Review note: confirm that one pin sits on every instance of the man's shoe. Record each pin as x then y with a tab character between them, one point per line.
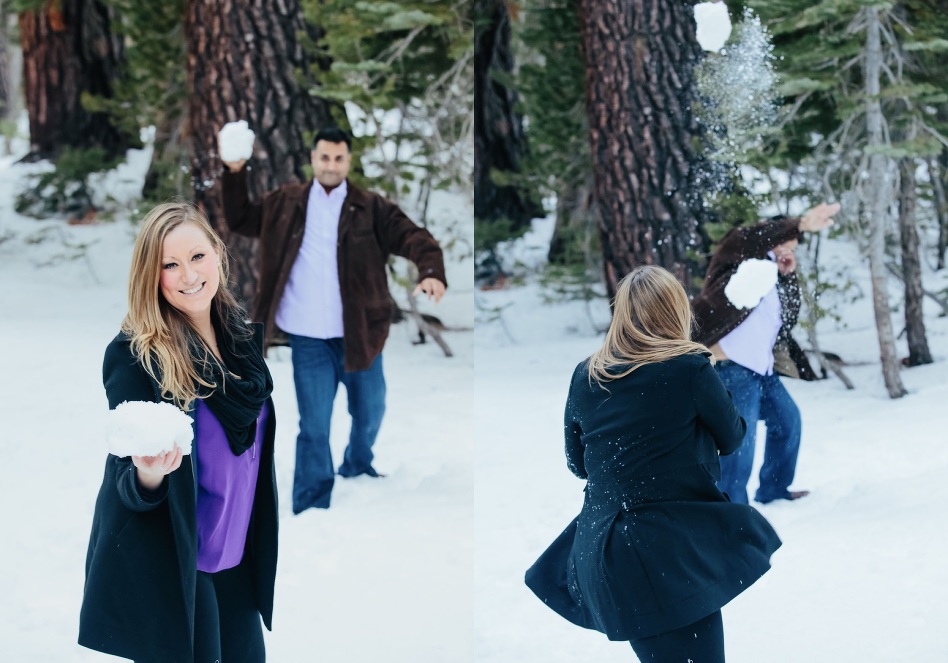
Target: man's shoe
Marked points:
369	471
790	496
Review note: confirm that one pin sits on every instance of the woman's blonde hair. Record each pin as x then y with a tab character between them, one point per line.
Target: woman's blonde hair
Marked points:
163	339
651	322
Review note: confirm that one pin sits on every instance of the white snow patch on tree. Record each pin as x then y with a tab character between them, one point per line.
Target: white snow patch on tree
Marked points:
754	279
143	428
235	141
714	25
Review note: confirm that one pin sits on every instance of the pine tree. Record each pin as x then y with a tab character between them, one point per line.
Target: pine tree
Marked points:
413	57
499	141
647	144
153	91
70	53
848	79
6	93
246	62
552	81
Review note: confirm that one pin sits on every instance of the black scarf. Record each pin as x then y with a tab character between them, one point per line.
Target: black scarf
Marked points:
235	402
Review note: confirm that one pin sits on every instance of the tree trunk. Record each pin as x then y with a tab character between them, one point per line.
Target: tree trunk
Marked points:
167	174
499	141
6	89
879	186
575	222
911	268
937	178
640	59
244	63
69	49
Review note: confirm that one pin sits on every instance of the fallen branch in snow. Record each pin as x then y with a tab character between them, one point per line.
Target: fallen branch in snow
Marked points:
425	328
833	363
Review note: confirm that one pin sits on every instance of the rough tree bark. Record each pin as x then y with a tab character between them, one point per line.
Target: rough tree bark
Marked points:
877	204
575	218
6	91
499	141
911	267
937	178
172	150
244	63
640	59
69	49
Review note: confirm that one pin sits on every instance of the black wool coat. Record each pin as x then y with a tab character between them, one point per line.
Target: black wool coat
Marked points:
656	546
141	565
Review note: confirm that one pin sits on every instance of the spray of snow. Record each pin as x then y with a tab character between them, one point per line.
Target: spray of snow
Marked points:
142	428
753	279
235	141
714	25
739	86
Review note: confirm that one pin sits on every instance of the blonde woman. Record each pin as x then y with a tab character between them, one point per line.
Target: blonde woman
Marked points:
182	556
657	549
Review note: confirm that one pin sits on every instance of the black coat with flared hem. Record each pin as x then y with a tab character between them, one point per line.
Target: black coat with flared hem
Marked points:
656	546
141	565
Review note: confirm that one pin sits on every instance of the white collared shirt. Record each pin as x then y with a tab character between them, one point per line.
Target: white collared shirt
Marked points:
751	343
311	304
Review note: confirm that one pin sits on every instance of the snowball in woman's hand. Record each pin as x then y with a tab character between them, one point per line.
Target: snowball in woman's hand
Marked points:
235	142
143	428
754	279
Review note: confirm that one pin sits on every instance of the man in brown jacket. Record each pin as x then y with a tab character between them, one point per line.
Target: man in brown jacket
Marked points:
324	246
742	339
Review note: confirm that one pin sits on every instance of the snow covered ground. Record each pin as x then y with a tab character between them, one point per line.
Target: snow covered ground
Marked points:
426	566
861	575
385	575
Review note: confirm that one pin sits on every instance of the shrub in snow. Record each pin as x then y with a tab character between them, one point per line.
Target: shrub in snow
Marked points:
235	141
142	428
752	280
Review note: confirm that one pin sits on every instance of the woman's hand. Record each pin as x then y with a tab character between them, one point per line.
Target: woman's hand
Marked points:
152	469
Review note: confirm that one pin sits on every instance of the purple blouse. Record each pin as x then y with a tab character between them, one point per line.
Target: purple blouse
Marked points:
226	486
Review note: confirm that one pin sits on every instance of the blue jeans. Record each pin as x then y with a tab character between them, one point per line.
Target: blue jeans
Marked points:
317	372
760	397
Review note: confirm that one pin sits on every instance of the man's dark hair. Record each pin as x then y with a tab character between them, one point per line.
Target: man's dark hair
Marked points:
333	135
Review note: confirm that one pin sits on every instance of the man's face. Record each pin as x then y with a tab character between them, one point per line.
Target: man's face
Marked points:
330	163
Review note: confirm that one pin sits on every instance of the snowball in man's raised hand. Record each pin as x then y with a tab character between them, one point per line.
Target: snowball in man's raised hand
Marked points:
235	143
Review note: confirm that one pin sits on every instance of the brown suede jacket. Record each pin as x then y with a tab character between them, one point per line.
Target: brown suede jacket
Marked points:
716	316
370	229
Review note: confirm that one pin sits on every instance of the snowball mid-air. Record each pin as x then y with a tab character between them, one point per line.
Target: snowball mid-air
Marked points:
714	25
